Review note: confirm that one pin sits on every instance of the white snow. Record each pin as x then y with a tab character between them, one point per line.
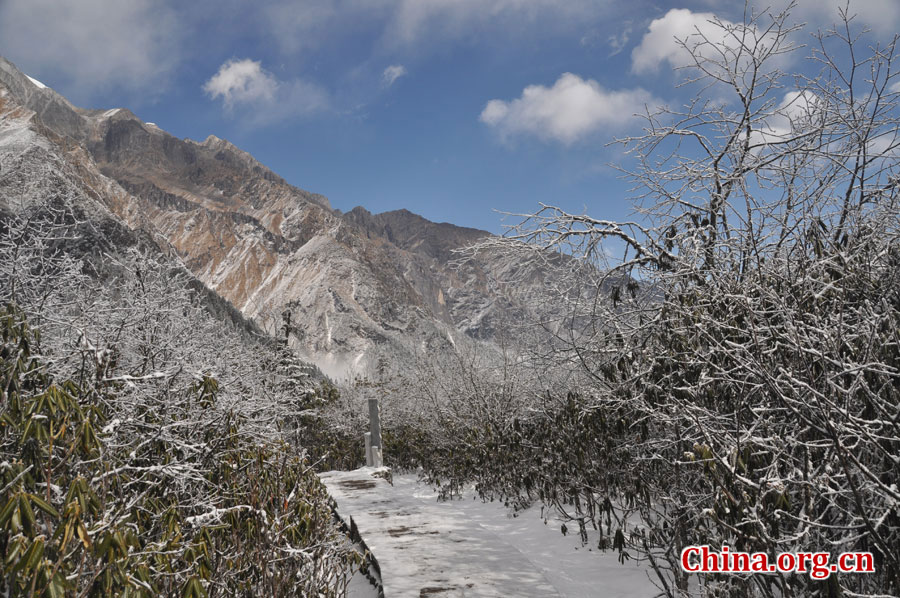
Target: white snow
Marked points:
18	139
340	367
37	83
329	333
470	548
213	515
111	426
110	112
360	587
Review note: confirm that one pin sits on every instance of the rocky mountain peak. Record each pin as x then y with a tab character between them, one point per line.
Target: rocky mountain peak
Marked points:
410	231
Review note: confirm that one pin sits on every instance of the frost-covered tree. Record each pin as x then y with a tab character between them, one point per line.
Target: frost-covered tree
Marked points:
745	362
146	448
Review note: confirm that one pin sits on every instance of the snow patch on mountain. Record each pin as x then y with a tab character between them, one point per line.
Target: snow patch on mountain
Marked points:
37	83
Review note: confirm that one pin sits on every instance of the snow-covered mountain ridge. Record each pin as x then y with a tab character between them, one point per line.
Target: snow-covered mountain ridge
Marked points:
361	289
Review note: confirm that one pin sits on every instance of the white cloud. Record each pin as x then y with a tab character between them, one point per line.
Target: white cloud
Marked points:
88	46
296	26
708	37
617	42
883	16
244	84
801	112
392	73
413	19
798	112
572	109
895	87
885	145
661	42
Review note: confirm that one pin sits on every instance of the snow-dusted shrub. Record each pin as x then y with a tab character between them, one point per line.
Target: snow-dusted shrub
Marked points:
332	431
147	449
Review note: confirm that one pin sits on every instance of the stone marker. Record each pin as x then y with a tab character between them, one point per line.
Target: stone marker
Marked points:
374	422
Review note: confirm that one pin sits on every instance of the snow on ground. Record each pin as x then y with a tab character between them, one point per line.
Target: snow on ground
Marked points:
36	82
360	587
474	549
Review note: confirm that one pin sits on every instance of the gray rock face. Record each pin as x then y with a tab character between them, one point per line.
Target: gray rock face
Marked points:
359	287
47	177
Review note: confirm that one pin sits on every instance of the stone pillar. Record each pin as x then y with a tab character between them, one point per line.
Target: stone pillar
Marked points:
368	436
374	422
375	431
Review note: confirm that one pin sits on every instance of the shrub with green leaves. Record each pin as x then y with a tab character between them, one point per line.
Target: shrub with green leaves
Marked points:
84	515
85	512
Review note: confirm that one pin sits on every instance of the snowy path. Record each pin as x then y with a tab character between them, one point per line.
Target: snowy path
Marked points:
465	548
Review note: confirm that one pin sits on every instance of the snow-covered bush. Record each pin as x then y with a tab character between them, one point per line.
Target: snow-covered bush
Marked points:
147	449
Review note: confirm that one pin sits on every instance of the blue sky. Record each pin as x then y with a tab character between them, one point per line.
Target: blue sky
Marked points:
449	108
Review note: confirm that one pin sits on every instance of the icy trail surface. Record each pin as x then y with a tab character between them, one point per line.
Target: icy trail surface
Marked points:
467	548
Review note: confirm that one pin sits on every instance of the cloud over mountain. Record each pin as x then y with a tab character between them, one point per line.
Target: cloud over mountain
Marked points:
242	81
572	109
264	99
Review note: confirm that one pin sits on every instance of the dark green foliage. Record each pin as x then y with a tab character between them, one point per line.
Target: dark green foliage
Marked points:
84	514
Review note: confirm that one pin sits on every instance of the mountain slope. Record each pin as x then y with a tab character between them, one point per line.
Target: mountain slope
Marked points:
43	175
361	289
